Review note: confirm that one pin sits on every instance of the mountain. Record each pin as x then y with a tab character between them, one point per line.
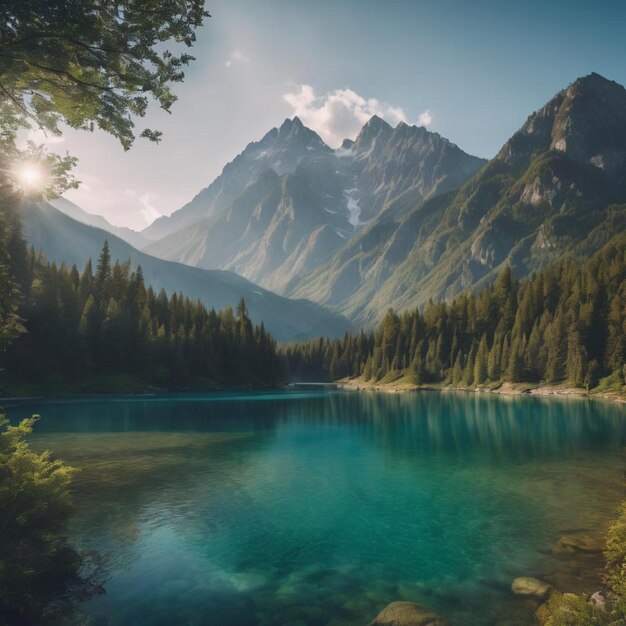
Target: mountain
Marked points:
281	150
386	162
133	237
287	203
557	186
69	241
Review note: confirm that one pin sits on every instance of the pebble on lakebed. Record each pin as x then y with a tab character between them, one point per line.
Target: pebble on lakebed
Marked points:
408	614
530	587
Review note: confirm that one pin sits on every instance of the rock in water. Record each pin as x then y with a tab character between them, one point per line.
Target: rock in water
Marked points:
579	543
530	587
408	614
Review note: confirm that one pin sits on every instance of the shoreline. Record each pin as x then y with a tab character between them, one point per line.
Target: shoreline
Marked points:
153	392
400	385
504	389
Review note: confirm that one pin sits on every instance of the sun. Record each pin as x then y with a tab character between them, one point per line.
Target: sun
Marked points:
30	176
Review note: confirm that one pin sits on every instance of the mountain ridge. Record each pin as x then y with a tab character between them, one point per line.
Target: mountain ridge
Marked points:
557	186
288	202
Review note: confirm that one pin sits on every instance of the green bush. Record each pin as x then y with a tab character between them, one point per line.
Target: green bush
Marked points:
38	568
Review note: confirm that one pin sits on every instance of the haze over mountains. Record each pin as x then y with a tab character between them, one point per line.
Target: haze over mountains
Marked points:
133	237
288	202
66	240
402	215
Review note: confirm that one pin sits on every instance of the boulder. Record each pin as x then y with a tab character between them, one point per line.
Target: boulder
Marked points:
530	587
408	614
579	543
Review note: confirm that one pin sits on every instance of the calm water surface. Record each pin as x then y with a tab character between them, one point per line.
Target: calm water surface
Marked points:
320	508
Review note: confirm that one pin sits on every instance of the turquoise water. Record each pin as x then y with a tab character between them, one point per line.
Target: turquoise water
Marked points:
322	507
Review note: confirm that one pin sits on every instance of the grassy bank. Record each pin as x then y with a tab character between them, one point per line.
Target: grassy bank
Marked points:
393	383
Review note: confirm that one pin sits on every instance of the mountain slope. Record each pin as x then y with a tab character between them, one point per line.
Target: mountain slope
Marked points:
66	240
275	229
557	186
286	204
281	149
386	162
133	237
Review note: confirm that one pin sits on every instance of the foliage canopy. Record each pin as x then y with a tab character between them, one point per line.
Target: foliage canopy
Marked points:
91	63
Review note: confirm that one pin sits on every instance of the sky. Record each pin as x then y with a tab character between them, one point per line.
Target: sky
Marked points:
470	70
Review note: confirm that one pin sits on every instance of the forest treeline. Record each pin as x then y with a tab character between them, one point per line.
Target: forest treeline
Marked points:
563	324
105	321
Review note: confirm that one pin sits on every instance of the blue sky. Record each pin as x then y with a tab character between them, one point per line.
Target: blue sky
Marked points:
471	70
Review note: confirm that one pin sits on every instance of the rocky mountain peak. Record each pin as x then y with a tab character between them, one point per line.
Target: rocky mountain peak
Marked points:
373	135
596	81
291	125
293	130
411	132
586	121
375	122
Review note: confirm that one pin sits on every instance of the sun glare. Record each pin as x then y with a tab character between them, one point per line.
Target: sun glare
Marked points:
30	176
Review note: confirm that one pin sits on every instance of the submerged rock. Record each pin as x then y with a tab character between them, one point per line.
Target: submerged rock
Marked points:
579	543
408	614
530	587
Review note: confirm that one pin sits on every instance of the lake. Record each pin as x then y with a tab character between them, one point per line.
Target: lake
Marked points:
321	507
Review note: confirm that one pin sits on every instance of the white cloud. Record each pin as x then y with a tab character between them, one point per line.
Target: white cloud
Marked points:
236	56
425	118
148	210
146	207
342	113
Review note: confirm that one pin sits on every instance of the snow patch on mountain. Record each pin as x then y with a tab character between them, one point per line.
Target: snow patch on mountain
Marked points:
352	204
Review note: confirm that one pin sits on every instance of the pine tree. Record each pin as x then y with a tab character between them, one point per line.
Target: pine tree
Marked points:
417	368
480	363
457	370
103	272
86	281
555	346
493	362
515	370
576	358
468	374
